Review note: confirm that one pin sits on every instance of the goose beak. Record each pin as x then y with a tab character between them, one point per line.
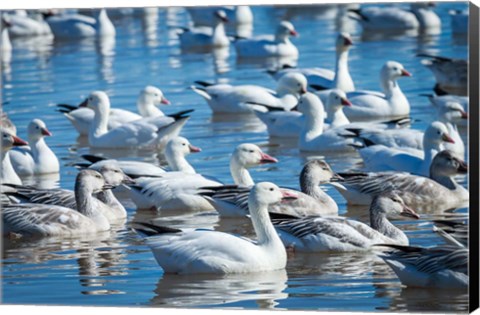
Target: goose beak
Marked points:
294	109
165	101
84	103
265	158
464	115
18	142
46	132
405	73
409	212
462	167
303	90
294	33
447	138
107	187
347	41
346	102
288	196
127	180
194	149
336	178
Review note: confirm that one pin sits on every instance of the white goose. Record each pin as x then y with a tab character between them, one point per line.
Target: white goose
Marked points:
37	158
392	102
152	132
201	38
48	220
229	99
206	251
326	79
7	125
382	158
444	266
25	26
339	234
73	26
7	174
232	201
263	47
147	104
312	137
440	191
178	190
451	74
104	201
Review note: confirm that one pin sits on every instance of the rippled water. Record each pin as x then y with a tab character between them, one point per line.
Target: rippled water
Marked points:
116	268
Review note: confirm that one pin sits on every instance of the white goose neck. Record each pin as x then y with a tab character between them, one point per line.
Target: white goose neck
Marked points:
266	234
337	118
313	126
147	108
41	152
343	80
282	38
5	41
380	223
108	198
100	121
241	176
178	163
7	172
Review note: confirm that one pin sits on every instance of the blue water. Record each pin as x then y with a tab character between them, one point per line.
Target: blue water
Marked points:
117	268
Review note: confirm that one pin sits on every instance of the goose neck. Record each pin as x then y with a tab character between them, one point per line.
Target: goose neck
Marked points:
178	163
266	234
100	121
314	120
7	172
380	223
336	117
241	176
443	180
108	198
83	198
341	68
146	108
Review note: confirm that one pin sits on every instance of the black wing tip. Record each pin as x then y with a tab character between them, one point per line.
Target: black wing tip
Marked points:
149	229
93	158
318	87
181	114
204	83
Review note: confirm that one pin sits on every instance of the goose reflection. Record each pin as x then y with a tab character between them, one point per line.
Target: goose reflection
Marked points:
106	53
263	289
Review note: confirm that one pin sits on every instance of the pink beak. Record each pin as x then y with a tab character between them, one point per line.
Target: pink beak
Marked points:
265	159
346	102
194	149
294	33
165	101
303	90
464	115
288	195
409	212
405	73
347	42
447	138
46	132
18	142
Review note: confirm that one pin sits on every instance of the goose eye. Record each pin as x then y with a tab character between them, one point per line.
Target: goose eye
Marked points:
251	151
271	188
395	68
438	132
183	144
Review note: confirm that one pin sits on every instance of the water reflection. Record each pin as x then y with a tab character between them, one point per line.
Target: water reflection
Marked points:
264	289
425	300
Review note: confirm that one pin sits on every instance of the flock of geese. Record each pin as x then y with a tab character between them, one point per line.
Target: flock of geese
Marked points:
404	169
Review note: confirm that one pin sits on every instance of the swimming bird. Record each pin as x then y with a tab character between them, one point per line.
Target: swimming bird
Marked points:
206	38
27	25
451	74
339	234
7	174
206	251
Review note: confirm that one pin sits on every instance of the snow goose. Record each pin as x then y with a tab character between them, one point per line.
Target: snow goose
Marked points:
450	113
444	267
339	234
6	124
206	38
175	152
207	251
382	158
312	137
74	26
47	220
232	201
104	201
263	47
7	173
392	102
229	99
5	43
37	158
151	132
25	26
289	123
178	190
148	100
327	79
451	74
439	192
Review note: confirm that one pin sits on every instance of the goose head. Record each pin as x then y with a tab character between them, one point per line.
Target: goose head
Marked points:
390	204
393	70
336	100
36	130
344	42
435	134
284	30
292	83
318	172
447	163
452	112
266	194
98	101
153	95
114	175
220	17
180	146
91	180
249	155
9	140
310	105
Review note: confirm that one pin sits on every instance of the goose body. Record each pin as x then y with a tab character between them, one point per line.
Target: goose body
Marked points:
150	97
232	201
48	220
7	174
204	251
450	74
26	26
263	47
392	102
38	158
439	191
382	158
444	267
228	99
73	26
320	234
201	38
